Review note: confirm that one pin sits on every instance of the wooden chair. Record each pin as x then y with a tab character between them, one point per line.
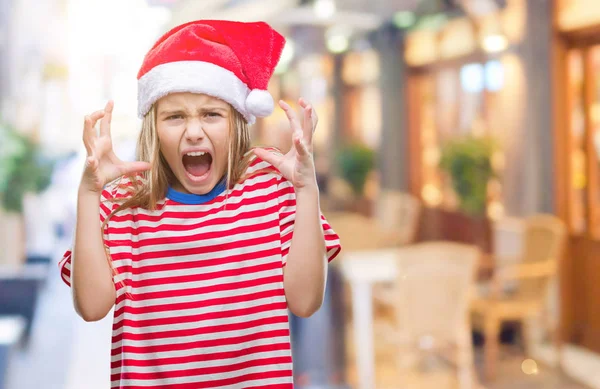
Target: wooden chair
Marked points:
544	240
395	223
431	301
358	232
398	214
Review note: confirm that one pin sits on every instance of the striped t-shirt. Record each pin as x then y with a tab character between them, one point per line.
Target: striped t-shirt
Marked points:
200	299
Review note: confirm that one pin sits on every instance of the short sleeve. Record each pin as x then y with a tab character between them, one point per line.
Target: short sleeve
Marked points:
287	216
106	207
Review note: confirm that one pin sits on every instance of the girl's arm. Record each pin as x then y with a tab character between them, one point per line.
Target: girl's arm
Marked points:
305	272
91	274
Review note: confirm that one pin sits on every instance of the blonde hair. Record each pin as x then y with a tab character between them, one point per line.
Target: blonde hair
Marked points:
148	191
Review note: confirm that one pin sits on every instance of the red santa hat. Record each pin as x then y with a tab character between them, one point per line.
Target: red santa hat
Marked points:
233	61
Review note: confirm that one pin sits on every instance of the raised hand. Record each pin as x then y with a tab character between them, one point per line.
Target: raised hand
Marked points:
297	166
102	165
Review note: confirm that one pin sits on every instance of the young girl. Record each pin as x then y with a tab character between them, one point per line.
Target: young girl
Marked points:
204	243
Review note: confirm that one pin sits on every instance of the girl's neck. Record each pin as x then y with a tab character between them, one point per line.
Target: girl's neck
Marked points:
192	199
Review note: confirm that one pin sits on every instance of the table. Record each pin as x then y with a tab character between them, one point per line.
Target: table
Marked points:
361	269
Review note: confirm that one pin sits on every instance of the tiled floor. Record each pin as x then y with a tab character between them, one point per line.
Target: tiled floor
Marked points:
511	376
67	353
441	376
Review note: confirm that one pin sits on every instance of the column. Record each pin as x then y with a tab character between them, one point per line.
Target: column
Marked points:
339	119
393	150
536	149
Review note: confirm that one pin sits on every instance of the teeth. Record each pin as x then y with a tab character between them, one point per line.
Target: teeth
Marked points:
196	153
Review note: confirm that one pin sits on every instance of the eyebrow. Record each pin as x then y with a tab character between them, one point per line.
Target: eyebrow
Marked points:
169	112
213	108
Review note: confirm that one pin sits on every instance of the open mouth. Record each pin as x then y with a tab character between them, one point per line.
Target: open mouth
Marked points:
197	164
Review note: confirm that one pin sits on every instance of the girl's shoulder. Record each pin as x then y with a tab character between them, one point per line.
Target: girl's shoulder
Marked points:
259	167
123	187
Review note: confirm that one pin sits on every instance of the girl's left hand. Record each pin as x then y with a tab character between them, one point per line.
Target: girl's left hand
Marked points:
297	166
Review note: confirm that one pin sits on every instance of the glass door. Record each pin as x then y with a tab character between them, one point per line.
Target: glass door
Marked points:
593	140
584	141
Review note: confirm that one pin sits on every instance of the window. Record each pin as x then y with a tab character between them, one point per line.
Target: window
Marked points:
455	101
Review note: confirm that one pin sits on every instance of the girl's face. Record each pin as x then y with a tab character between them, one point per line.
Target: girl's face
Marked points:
193	130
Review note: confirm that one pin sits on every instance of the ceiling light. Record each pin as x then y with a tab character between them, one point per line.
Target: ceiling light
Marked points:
337	44
495	43
324	9
337	38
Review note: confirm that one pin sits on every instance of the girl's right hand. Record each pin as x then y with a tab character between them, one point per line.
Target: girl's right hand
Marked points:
102	165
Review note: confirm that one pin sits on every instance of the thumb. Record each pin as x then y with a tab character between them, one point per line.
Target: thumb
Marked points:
134	167
267	156
91	164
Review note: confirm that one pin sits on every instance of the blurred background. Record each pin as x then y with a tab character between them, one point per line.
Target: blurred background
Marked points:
458	158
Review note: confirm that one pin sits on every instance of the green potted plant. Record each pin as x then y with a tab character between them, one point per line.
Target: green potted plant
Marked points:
355	162
468	163
24	169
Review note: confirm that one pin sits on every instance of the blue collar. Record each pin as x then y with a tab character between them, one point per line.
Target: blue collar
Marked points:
194	199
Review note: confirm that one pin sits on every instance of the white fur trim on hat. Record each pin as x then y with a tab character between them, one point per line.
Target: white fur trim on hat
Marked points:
259	103
195	77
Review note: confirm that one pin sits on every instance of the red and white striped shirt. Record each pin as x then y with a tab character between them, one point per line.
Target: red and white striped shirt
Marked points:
200	299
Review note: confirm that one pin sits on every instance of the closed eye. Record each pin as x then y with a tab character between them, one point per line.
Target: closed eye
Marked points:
213	114
174	117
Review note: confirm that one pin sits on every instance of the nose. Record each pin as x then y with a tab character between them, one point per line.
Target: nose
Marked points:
194	131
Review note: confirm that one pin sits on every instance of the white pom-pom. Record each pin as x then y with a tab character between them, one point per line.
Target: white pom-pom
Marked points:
259	103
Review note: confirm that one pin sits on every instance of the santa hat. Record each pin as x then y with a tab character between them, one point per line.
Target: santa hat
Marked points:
233	61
